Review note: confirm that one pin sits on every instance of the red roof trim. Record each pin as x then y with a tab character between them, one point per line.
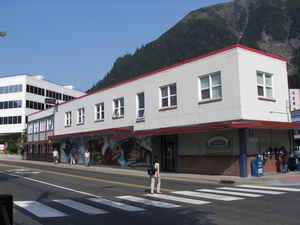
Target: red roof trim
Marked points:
112	130
171	67
214	126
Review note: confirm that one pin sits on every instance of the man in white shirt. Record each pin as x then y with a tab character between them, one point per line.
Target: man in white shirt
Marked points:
155	177
87	157
55	156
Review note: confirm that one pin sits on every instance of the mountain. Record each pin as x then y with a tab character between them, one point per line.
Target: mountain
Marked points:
269	25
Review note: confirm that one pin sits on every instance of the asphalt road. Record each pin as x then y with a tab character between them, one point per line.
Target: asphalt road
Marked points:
52	195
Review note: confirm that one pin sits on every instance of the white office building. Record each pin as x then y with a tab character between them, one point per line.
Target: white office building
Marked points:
211	114
21	95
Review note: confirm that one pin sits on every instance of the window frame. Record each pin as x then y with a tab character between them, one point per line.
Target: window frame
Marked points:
167	97
99	111
209	88
138	108
68	119
264	86
117	111
80	116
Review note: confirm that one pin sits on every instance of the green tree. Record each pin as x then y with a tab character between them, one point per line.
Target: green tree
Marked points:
12	147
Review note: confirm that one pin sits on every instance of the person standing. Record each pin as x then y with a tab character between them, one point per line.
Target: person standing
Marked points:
55	156
155	178
87	158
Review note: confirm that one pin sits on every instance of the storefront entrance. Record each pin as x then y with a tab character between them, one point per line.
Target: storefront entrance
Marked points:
169	153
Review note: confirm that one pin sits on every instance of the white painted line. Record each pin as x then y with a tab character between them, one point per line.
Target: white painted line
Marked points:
270	188
229	193
206	195
178	199
118	205
17	170
80	207
53	185
148	202
22	172
252	190
39	209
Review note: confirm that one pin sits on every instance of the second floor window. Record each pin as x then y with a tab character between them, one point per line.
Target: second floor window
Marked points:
264	85
140	98
80	116
118	107
68	119
99	111
168	96
49	124
210	86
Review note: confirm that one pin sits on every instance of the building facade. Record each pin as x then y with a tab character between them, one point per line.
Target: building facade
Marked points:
211	114
22	95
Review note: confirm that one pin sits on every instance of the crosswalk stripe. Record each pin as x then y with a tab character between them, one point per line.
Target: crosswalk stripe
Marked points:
118	205
252	190
229	193
148	202
206	195
39	209
178	199
80	207
270	188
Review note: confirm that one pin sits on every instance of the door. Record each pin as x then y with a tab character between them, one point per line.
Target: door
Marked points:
169	153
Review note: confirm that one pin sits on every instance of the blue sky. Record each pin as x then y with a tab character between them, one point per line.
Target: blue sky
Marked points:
77	41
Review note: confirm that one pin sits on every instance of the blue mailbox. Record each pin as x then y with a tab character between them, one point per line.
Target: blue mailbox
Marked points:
257	169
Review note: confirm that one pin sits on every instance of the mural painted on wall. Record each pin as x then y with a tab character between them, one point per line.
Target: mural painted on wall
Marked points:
105	149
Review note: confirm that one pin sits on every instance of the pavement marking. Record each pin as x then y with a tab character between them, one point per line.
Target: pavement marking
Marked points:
178	199
91	178
80	207
53	185
270	188
39	209
229	193
148	202
252	190
209	196
118	205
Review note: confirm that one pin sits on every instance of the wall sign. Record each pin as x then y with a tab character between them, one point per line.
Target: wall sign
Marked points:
218	142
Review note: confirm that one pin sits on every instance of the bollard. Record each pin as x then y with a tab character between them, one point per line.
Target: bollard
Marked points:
6	209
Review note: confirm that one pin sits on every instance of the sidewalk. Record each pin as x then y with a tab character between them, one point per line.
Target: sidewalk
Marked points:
278	179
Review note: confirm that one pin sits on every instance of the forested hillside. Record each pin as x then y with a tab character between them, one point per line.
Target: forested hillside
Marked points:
268	25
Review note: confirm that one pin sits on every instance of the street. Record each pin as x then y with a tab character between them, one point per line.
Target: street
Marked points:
48	194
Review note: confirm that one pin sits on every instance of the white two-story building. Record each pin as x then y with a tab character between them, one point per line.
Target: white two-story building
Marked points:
211	114
21	95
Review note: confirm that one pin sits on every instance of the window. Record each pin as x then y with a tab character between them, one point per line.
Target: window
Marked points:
80	116
42	125
37	127
140	97
30	128
118	108
68	119
99	111
168	96
210	86
264	85
49	124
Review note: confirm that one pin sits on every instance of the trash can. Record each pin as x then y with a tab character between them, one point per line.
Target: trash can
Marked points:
292	163
6	210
